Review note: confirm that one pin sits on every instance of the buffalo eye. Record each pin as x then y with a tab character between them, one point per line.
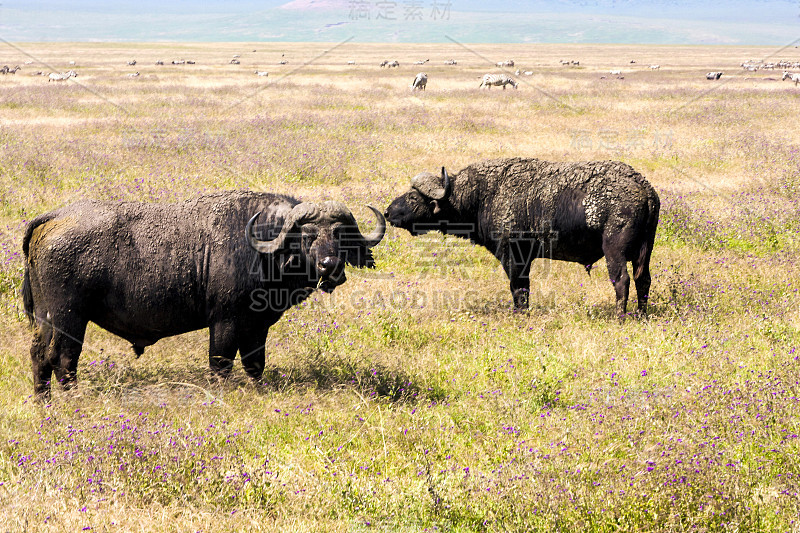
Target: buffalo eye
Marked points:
337	231
308	234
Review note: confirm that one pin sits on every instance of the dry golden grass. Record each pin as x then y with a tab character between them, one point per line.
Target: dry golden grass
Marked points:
413	398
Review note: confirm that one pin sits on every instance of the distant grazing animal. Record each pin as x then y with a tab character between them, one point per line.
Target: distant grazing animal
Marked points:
713	75
235	61
179	62
384	63
655	67
159	62
451	62
132	62
421	62
615	72
14	70
262	73
4	69
520	209
133	75
528	73
72	63
791	77
189	62
490	80
420	81
509	63
54	76
145	271
283	62
351	62
391	64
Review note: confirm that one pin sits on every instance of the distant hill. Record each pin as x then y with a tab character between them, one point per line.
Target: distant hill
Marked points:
771	22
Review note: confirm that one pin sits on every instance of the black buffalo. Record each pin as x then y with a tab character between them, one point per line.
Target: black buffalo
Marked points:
520	209
148	271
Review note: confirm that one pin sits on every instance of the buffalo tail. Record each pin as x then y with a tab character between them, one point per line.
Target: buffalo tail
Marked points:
27	293
642	258
654	206
27	297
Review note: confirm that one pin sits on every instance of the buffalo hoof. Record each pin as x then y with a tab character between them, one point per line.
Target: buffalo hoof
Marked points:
521	297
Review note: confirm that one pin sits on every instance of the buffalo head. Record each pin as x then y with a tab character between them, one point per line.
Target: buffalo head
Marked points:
424	205
316	241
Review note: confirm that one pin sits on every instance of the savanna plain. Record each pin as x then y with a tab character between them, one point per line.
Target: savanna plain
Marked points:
413	397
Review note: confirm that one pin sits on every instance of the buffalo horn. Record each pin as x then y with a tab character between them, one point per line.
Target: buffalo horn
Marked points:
377	234
445	185
264	247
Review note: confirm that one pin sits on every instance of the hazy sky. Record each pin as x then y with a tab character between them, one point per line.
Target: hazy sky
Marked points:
773	22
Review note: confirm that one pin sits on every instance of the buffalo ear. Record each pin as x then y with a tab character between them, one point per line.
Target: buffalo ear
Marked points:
436	207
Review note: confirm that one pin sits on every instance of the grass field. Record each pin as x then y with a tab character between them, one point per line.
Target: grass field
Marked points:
413	398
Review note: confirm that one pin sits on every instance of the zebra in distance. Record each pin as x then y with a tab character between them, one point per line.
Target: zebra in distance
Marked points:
791	77
497	80
420	81
54	76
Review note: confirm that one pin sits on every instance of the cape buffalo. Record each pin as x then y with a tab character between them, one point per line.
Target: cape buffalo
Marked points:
148	271
520	209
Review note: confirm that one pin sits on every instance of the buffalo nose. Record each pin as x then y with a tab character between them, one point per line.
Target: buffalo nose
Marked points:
327	266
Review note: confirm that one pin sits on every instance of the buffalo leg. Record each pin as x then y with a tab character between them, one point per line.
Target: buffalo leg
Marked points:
618	274
65	350
251	349
642	281
521	288
222	347
642	288
41	363
613	249
517	264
